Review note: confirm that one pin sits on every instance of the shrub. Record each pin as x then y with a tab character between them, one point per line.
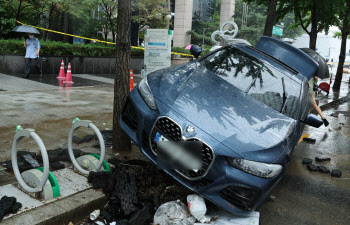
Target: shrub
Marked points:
65	49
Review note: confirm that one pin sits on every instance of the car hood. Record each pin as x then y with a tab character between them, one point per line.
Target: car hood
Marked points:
232	117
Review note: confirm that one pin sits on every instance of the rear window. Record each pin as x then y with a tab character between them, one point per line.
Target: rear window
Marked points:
257	78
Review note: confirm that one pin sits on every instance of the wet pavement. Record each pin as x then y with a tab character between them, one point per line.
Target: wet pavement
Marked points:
302	197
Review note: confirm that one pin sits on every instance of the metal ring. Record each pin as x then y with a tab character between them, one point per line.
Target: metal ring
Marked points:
29	133
88	124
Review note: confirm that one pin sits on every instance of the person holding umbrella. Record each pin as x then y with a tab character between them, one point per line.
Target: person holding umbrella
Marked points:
32	45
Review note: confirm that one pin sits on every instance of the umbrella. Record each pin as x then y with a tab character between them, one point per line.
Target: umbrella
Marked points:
322	71
26	29
188	47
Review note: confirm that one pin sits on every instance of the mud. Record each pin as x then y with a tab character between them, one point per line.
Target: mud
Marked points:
8	205
135	189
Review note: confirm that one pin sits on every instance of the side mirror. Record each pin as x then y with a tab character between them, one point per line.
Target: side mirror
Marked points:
196	51
313	120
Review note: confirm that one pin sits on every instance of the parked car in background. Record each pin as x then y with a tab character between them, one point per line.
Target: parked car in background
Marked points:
248	106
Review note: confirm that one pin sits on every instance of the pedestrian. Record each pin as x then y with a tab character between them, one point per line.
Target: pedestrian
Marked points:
32	45
143	44
312	89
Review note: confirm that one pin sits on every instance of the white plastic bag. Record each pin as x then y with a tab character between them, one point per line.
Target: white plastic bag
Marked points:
173	213
197	206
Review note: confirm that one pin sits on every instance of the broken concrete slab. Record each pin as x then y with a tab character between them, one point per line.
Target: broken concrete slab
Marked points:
323	169
312	167
307	161
322	158
336	173
86	138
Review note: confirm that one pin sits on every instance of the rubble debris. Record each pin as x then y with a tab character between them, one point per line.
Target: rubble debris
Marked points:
312	167
322	158
114	161
100	179
61	154
16	207
336	173
311	140
174	212
307	161
107	137
86	138
143	216
57	165
323	169
8	205
135	188
26	152
29	159
25	161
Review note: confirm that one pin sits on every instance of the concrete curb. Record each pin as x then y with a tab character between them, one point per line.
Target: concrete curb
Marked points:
334	103
71	209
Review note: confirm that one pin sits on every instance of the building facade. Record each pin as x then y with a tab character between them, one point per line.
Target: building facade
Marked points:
184	10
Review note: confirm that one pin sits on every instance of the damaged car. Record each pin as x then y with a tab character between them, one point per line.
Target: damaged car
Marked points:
247	106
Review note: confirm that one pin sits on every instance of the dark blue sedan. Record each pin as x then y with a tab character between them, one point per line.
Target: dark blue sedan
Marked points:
247	106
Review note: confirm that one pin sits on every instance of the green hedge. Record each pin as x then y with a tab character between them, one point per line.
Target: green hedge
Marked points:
64	49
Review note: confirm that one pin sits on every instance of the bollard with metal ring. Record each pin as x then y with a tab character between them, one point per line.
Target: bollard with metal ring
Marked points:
77	123
21	133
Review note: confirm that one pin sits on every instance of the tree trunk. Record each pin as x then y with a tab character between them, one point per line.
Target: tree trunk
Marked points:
0	29
339	75
121	142
313	39
113	36
314	21
270	19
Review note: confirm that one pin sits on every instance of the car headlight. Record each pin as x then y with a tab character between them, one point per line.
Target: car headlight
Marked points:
146	94
259	169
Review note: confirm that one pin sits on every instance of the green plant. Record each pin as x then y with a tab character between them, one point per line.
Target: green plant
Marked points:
12	46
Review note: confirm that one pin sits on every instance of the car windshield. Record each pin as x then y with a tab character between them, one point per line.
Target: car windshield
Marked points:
257	78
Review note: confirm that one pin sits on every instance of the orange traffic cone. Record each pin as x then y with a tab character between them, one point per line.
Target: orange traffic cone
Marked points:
61	74
131	80
69	76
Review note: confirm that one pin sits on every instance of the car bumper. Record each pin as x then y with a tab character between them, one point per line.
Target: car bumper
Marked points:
231	189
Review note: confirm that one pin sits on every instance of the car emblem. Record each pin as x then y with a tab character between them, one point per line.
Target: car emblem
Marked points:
190	129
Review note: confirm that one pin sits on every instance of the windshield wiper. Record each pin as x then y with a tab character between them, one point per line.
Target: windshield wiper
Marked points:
284	96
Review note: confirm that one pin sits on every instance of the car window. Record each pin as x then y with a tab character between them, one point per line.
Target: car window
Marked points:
257	78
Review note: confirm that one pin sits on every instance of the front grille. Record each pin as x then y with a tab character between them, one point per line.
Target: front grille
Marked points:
241	197
207	159
129	115
173	132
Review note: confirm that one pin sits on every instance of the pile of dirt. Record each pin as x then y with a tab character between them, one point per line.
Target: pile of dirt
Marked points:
8	205
135	189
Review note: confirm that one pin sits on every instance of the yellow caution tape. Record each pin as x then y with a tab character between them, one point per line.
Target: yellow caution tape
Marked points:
96	40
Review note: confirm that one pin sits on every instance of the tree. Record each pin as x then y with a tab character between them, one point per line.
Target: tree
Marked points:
343	22
199	27
109	17
148	14
121	142
270	18
256	18
271	14
317	13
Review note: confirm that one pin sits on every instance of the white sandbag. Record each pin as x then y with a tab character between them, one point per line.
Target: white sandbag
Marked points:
173	213
197	206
